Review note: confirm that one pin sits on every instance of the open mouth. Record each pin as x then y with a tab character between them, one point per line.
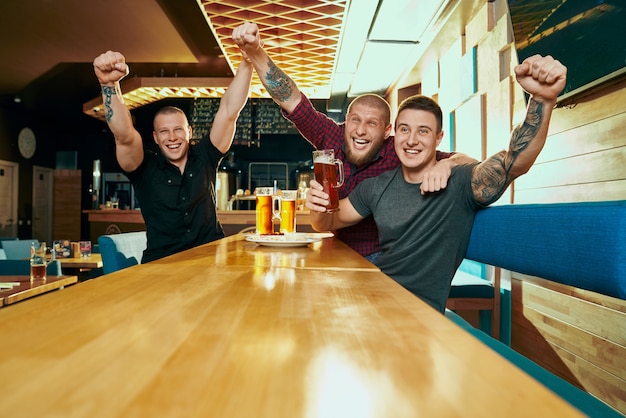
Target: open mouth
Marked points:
411	151
360	143
173	146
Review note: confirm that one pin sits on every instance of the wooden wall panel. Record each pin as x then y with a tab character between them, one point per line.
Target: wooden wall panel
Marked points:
582	192
602	104
601	166
576	334
606	133
67	201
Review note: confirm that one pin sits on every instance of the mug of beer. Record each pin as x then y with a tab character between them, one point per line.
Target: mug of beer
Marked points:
38	261
265	213
327	169
288	211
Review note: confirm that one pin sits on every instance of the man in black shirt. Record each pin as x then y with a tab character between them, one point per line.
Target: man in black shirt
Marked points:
175	187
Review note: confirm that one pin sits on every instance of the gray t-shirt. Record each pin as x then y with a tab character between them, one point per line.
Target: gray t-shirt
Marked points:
423	237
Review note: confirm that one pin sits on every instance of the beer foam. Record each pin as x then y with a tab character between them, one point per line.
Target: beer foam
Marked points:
324	159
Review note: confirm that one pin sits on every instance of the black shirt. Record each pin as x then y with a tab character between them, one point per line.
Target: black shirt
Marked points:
179	210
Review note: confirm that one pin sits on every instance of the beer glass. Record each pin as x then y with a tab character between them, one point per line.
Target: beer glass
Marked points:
265	213
329	173
38	261
288	211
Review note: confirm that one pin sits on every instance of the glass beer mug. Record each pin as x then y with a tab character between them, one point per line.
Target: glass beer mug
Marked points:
38	261
265	210
329	173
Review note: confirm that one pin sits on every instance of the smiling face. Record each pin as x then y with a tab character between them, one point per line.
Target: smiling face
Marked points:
366	129
416	141
172	133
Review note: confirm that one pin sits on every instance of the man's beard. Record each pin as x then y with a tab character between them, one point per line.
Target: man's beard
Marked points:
364	159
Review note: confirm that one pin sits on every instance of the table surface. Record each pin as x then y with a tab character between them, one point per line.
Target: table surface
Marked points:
231	329
93	261
27	288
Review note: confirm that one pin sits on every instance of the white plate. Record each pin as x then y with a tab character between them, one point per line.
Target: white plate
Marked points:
282	240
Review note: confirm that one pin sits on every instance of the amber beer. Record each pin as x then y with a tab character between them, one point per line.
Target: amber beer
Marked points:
38	272
264	210
38	261
288	211
327	169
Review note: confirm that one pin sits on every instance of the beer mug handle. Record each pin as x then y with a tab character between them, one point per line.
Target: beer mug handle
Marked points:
339	165
276	211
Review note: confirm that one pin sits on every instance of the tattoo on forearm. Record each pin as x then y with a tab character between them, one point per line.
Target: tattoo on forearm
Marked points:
108	92
278	83
495	175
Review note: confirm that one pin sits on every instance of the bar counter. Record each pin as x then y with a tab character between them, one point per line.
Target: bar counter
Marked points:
105	221
233	329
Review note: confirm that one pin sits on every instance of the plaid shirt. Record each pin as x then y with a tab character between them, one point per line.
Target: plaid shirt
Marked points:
324	133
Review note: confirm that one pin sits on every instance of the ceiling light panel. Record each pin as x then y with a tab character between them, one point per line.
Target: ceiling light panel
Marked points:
301	37
403	20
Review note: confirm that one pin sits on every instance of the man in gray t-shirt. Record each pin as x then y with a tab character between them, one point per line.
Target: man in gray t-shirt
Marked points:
424	237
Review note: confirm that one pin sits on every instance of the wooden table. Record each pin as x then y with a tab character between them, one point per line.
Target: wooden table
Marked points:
230	329
93	261
27	288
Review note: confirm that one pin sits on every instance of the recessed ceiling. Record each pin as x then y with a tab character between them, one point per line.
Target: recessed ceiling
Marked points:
301	36
49	45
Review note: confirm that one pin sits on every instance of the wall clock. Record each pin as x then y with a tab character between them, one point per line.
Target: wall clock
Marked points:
27	143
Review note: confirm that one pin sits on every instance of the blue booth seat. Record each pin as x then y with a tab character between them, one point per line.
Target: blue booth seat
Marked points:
120	251
577	244
18	249
22	268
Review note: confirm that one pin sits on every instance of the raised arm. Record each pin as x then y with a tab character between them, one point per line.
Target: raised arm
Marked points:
233	100
110	68
543	78
316	201
279	85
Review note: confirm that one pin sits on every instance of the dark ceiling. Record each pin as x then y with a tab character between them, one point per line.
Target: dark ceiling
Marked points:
48	45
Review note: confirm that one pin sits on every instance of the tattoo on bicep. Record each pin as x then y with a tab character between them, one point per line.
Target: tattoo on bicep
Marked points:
108	92
495	174
278	83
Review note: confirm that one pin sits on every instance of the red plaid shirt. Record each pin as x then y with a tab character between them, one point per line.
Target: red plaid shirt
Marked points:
324	133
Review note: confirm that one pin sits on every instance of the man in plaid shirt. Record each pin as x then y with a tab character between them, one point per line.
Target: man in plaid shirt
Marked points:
363	142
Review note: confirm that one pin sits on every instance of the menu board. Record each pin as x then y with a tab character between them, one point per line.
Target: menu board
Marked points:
258	117
204	111
269	119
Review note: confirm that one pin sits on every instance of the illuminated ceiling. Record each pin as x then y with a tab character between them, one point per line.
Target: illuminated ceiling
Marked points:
49	46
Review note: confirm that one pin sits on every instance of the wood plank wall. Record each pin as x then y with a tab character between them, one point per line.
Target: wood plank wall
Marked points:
576	334
67	202
584	160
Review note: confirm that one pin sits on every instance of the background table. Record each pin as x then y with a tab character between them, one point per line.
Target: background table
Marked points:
27	288
231	329
93	261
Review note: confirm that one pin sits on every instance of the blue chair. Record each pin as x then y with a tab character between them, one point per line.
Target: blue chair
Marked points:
7	239
22	268
18	249
120	251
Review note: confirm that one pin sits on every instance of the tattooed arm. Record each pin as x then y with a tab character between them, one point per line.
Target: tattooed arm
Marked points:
279	85
110	68
543	78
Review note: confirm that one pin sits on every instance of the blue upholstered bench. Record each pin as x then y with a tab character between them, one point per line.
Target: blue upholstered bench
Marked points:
577	244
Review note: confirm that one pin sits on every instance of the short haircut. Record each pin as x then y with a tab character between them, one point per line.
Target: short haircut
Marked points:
166	110
419	102
375	101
